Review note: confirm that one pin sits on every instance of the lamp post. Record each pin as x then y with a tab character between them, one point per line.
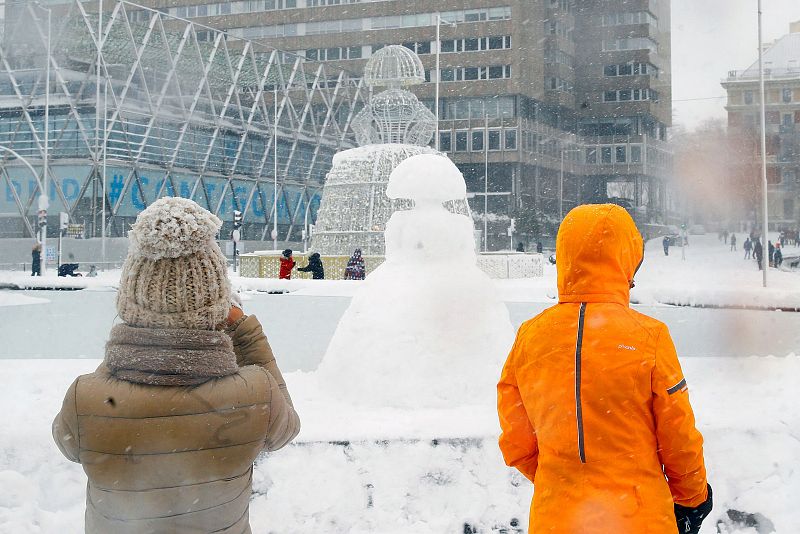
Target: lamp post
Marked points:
764	206
438	73
275	168
43	198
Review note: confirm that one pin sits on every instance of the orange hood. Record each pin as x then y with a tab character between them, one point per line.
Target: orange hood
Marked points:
598	250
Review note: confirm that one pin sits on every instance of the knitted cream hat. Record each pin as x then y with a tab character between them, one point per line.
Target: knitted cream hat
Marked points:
175	275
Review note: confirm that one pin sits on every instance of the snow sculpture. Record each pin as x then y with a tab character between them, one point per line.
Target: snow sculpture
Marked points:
393	126
427	328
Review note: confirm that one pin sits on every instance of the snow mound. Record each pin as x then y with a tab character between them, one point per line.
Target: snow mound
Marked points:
427	328
172	227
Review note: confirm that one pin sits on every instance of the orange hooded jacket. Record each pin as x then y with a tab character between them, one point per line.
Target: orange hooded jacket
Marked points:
593	405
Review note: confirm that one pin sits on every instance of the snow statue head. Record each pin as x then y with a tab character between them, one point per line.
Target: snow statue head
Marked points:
427	179
394	115
428	312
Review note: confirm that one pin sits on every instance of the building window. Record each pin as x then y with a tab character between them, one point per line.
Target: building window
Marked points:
494	139
461	141
445	139
591	156
636	154
477	140
510	139
787	95
605	155
621	154
748	97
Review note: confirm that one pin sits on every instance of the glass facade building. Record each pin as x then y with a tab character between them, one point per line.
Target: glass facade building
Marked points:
174	108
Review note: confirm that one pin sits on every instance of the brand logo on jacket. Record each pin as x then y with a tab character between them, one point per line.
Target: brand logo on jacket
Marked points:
625	347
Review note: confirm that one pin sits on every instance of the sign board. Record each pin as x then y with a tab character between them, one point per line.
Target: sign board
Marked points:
75	230
235	235
50	254
229	248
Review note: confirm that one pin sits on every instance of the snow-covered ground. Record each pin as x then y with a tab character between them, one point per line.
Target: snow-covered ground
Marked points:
370	469
745	408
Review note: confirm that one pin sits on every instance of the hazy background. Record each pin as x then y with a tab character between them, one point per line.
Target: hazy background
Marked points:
711	37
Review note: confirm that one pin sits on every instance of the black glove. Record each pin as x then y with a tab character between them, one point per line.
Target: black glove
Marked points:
690	519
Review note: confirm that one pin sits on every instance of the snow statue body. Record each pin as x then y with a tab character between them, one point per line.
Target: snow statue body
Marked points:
393	126
426	329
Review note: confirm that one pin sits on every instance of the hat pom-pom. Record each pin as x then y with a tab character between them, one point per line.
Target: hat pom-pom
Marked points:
172	227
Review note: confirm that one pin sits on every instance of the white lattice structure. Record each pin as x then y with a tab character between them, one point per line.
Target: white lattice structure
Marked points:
395	115
393	126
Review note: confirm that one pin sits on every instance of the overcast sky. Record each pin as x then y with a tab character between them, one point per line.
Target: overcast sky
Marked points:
711	37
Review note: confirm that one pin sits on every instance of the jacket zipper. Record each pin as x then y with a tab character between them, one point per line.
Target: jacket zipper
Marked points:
578	406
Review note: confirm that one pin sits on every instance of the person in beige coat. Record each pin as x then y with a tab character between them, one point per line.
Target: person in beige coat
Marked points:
188	394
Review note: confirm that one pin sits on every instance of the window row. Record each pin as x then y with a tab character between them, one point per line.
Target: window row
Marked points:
634	43
786	96
333	54
610	154
458	74
553	83
476	44
478	140
563	5
555	56
492	107
631	69
371	23
246	6
626	95
557	27
636	17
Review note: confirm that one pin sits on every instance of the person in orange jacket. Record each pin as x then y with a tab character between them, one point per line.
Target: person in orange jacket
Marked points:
593	405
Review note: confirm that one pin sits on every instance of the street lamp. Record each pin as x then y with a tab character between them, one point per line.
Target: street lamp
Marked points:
765	220
275	167
438	72
561	183
43	199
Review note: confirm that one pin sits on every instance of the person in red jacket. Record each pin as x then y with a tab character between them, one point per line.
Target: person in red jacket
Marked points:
287	264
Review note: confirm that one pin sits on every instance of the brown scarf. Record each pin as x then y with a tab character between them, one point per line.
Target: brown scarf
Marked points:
169	357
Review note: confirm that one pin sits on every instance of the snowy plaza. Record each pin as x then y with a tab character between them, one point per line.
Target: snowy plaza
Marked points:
361	468
389	266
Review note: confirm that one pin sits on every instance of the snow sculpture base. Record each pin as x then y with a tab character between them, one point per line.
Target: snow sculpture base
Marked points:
427	328
355	208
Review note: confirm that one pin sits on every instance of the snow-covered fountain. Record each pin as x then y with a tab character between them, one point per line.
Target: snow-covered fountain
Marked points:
392	127
427	328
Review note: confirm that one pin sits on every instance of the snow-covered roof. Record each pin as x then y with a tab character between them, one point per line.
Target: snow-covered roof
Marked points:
781	59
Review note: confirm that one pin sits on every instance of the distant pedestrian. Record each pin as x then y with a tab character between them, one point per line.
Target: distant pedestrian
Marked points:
777	258
758	253
771	252
92	271
520	247
36	260
314	267
725	236
733	242
355	269
748	246
665	242
539	247
287	264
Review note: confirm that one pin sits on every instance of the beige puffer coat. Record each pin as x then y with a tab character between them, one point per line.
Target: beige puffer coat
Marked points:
175	458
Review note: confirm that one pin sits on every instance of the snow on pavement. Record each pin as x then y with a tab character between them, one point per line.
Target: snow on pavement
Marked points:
391	478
